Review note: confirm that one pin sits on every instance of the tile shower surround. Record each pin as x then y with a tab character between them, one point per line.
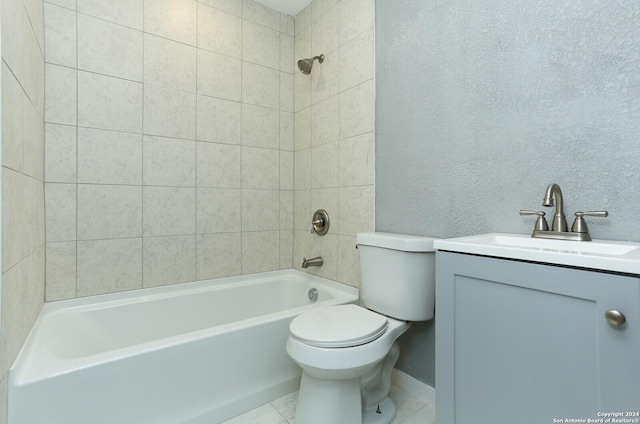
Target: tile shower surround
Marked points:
170	137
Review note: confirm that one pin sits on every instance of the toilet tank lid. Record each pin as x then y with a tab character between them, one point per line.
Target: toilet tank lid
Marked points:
404	242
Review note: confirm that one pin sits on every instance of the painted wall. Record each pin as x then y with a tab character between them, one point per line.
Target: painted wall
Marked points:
480	105
23	226
334	133
169	142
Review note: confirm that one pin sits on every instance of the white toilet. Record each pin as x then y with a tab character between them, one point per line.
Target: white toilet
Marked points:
347	352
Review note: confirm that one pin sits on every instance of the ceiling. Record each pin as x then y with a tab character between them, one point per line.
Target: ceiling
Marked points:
290	7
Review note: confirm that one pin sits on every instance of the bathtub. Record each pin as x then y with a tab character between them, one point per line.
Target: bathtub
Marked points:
192	353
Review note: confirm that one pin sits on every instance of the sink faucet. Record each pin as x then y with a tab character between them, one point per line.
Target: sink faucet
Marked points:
317	261
559	231
559	219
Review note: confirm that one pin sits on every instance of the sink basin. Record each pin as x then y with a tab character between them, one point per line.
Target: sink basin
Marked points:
605	255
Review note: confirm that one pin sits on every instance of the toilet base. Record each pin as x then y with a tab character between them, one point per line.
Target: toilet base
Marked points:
328	401
380	414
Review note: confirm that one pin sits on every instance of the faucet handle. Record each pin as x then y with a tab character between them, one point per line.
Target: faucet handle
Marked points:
580	226
541	222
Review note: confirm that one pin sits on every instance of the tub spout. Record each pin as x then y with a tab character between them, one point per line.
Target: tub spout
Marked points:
317	261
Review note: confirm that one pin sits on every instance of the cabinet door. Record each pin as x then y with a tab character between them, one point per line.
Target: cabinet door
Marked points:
527	343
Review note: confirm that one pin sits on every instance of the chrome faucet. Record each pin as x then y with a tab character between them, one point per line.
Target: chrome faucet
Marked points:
317	261
559	229
559	219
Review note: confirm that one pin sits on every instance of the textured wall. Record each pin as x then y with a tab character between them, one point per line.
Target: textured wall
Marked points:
480	105
169	142
23	227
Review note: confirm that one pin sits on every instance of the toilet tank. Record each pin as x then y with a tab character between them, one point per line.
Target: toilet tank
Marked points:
398	275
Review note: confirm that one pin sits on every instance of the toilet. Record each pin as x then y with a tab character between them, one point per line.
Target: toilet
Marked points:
347	352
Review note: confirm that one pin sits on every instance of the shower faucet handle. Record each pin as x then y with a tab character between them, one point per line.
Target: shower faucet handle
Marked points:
541	222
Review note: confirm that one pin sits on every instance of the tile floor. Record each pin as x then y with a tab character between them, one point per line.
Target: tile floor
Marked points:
411	410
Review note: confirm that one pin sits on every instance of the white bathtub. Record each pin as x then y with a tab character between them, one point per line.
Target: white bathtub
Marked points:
191	353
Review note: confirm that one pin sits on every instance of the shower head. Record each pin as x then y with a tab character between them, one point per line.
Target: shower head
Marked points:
305	65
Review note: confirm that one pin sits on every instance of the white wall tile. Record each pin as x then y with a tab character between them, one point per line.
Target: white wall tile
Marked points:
286	210
357	160
260	168
357	60
325	121
60	271
109	211
303	19
258	205
261	14
286	92
13	33
287	62
169	64
33	142
320	7
218	165
286	249
356	16
169	113
60	35
258	253
286	131
348	261
325	165
219	255
327	247
61	95
325	32
60	153
302	210
168	260
22	300
324	78
13	105
302	129
219	210
169	211
109	157
356	213
357	110
287	24
169	162
69	4
109	49
106	266
260	85
260	45
60	206
124	12
172	19
219	32
23	219
109	103
219	120
230	6
302	169
260	127
286	171
33	77
219	76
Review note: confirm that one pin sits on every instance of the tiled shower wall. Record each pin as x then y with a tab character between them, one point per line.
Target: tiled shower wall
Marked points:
23	232
169	142
334	133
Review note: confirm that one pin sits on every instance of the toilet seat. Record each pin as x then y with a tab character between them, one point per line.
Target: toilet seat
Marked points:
338	326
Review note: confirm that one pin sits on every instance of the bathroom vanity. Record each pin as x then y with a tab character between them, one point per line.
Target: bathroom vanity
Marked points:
532	331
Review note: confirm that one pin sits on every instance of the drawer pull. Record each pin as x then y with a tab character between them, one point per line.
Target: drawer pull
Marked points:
614	317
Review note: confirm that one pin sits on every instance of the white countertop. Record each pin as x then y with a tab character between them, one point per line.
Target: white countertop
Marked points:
608	255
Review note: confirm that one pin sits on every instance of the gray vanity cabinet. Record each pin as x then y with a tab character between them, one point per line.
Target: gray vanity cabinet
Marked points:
522	342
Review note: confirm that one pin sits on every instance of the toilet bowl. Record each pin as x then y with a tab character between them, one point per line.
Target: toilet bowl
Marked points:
347	352
339	349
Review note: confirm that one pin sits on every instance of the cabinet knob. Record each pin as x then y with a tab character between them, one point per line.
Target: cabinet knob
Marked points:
614	317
